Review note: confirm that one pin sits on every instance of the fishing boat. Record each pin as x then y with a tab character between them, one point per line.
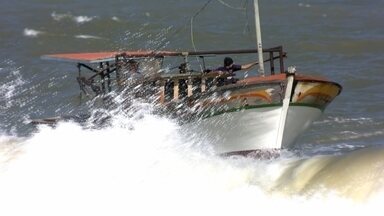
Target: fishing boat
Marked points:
259	111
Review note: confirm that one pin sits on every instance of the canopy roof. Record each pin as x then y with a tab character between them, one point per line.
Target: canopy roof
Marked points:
95	57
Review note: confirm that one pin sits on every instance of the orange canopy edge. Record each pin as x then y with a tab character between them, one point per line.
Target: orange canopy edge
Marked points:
95	57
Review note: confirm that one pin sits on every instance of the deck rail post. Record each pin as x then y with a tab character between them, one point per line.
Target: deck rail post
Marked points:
175	89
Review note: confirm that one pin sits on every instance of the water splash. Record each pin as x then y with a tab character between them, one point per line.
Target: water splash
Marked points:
143	165
9	85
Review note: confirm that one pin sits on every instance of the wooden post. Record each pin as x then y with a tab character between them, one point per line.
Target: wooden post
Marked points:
118	73
203	85
189	92
101	66
272	63
281	61
162	91
109	77
176	89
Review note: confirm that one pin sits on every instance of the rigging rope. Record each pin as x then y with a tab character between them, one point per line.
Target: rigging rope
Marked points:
223	3
201	9
197	13
232	7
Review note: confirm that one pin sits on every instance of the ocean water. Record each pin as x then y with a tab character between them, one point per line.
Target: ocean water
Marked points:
142	164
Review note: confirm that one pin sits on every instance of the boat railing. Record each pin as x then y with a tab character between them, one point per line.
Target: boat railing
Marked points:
174	85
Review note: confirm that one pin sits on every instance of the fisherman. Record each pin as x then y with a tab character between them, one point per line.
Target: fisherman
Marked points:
229	68
131	74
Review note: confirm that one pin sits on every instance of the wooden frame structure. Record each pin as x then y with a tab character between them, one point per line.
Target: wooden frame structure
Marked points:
171	86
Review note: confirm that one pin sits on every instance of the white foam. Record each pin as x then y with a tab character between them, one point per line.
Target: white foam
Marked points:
87	37
32	32
59	17
78	19
9	146
343	120
115	18
83	19
141	165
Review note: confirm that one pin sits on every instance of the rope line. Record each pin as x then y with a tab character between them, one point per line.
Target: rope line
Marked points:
192	18
191	22
230	6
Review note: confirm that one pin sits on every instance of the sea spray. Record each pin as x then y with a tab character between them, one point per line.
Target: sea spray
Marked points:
143	165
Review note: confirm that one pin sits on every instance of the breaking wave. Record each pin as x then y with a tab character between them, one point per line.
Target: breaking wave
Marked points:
68	16
143	165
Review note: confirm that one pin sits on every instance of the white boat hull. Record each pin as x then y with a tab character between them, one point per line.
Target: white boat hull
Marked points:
253	129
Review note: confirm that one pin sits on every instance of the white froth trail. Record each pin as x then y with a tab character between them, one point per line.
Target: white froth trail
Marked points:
143	166
88	37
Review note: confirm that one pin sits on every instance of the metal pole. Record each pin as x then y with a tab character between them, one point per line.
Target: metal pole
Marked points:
258	37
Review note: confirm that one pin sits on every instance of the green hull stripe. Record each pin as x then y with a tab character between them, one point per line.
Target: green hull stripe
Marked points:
208	115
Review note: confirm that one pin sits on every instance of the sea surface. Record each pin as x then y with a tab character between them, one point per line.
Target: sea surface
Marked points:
141	164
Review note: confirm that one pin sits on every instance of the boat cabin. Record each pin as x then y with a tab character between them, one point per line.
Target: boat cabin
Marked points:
174	75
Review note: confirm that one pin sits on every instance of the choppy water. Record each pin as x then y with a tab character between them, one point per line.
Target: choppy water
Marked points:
142	164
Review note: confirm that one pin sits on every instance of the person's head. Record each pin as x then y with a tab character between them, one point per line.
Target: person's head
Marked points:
133	65
228	62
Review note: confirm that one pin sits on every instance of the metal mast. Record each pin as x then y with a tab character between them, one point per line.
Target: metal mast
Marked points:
258	37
